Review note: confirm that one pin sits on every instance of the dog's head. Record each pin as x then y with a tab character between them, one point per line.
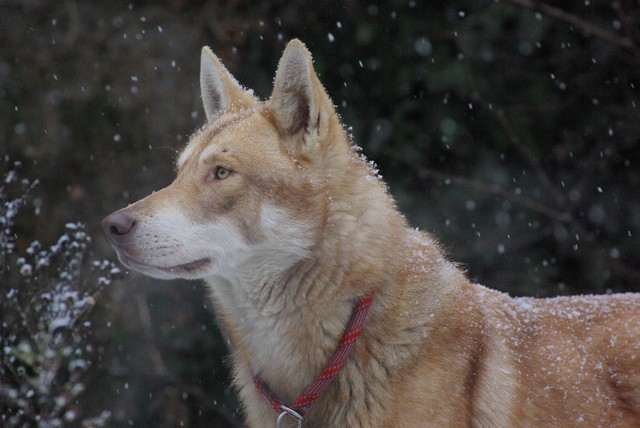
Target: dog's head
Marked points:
254	181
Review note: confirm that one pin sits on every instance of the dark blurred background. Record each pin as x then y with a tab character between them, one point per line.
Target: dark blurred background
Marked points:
509	129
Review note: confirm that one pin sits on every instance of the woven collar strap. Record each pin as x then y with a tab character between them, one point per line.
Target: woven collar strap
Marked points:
315	390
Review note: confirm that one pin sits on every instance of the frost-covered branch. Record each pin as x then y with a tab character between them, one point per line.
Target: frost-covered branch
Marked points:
46	296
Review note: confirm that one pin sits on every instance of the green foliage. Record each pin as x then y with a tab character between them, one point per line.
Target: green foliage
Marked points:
508	128
509	131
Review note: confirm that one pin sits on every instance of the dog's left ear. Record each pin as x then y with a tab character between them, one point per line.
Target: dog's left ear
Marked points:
220	90
299	102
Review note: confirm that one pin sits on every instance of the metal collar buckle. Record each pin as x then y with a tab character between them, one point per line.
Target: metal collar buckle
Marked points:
292	414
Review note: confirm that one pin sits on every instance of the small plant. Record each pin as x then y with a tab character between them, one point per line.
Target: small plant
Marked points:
46	297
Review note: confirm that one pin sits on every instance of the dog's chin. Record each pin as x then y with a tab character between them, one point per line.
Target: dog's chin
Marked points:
191	270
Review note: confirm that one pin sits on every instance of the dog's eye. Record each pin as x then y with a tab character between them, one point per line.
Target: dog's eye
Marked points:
221	173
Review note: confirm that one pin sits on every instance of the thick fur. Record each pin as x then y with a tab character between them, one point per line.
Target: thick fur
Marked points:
296	228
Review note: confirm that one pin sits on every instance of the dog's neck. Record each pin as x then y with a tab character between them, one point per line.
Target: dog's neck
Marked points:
284	325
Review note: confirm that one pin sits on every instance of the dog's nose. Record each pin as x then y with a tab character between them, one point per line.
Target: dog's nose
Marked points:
118	224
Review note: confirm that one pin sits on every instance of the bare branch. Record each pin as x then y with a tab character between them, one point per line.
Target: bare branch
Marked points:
145	322
560	216
623	269
162	372
585	26
525	151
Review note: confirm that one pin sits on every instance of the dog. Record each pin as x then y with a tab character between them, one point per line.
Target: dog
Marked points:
339	313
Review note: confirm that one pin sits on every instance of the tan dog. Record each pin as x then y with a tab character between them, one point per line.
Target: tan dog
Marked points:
289	228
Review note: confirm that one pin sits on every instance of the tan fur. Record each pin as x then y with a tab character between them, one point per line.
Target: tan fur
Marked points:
302	228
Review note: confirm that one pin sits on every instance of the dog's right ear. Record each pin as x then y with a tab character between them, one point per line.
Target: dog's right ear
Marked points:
300	105
220	90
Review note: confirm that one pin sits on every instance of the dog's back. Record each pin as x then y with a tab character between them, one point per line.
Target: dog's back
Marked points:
580	355
568	361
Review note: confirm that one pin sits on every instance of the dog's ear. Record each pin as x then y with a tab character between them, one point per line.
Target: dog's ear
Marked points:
299	102
220	90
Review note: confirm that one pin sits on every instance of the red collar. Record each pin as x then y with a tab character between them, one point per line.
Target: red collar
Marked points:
313	391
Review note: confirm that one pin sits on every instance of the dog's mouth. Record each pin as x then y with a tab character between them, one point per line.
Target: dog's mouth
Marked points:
188	267
185	268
